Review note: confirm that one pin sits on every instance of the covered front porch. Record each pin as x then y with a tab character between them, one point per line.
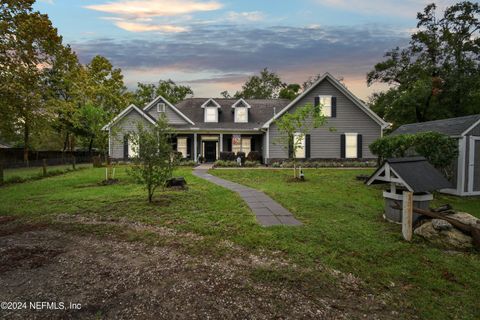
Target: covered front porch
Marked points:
208	146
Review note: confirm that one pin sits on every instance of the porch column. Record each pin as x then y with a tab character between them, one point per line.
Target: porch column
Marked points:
221	142
195	158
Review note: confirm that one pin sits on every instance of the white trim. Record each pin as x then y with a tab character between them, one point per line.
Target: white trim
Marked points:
109	142
471	127
195	155
208	101
462	150
242	101
205	114
170	105
351	134
221	142
329	96
268	144
388	176
342	89
124	113
471	164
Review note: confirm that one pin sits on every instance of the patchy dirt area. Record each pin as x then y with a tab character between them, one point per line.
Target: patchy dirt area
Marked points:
114	279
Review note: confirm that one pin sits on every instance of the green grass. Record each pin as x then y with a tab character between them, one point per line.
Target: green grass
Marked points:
22	174
343	229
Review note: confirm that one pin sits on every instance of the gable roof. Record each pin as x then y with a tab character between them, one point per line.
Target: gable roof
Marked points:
148	106
342	89
125	112
451	127
260	112
416	173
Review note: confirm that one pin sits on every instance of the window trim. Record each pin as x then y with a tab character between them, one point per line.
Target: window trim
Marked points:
206	113
304	145
161	107
236	114
184	155
351	134
325	106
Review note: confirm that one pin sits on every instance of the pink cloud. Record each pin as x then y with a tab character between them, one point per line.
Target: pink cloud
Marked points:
141	27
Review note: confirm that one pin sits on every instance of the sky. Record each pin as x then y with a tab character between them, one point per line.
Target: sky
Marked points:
215	45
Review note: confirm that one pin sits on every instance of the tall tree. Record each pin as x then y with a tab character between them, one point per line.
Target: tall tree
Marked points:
437	75
267	85
28	44
168	89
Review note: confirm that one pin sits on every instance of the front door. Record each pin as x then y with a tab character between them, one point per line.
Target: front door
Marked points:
210	151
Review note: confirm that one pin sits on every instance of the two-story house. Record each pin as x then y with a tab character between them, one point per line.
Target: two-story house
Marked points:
207	126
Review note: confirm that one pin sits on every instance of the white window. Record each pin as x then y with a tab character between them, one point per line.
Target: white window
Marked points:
299	143
326	104
211	114
351	145
160	107
132	149
241	114
246	145
182	146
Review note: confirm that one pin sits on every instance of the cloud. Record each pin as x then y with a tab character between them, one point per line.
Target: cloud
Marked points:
47	1
226	54
405	8
245	16
154	8
141	27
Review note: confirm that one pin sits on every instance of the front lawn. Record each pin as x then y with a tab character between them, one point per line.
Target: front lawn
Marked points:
343	229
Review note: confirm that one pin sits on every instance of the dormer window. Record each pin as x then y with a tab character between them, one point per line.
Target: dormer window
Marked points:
241	114
160	107
211	114
326	102
241	111
210	110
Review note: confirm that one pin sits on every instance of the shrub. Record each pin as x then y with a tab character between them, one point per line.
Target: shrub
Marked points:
187	163
201	159
251	164
225	164
254	156
241	155
227	156
439	149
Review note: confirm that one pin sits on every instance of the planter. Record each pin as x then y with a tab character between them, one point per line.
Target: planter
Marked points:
420	200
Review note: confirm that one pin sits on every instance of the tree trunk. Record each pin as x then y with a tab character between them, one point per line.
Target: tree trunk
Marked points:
90	146
26	139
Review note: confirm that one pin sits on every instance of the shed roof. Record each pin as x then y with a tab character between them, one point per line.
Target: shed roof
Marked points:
416	173
451	127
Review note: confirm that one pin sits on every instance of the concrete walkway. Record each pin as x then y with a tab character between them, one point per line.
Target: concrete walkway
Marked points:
267	211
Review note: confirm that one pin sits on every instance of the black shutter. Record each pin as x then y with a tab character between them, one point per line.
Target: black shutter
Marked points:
253	145
316	101
342	146
189	148
359	146
125	147
334	107
307	146
290	147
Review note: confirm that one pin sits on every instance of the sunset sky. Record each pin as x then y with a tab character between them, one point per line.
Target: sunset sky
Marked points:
215	45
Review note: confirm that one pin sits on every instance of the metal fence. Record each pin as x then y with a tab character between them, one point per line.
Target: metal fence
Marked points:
13	158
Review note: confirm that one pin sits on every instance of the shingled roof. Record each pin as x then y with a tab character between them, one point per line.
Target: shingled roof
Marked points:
450	127
416	172
260	112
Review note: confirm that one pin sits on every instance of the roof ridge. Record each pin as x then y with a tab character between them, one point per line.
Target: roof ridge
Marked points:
440	120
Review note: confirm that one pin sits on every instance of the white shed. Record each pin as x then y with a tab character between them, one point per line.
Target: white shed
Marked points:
467	131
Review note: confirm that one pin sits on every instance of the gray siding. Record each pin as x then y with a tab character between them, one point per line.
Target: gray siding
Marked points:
325	143
172	116
127	124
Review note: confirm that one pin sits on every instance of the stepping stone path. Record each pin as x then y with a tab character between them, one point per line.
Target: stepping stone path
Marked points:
267	211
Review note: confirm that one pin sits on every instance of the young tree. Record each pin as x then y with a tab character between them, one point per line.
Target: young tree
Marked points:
155	160
294	126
